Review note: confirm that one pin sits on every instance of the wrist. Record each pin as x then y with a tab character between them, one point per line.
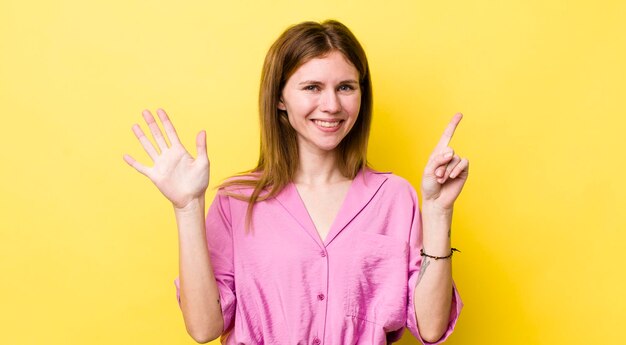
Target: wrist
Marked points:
194	204
452	250
436	220
436	227
433	210
438	247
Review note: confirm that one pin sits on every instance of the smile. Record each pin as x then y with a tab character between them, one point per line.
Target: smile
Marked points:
328	124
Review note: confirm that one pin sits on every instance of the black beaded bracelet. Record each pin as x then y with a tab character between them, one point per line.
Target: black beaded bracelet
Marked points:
452	250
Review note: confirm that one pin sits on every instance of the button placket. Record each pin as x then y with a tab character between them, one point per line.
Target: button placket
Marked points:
321	296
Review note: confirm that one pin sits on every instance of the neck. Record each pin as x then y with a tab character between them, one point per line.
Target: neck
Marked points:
318	167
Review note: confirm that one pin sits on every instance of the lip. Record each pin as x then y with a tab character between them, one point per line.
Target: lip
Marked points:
327	129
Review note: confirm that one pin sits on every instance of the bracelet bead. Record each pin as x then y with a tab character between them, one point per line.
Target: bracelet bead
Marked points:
452	250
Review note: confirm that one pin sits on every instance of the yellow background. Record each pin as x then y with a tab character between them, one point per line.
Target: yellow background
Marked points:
88	246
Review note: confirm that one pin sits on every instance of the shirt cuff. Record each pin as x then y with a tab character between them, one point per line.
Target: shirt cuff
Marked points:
227	302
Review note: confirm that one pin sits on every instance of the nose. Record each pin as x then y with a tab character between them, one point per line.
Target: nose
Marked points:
330	102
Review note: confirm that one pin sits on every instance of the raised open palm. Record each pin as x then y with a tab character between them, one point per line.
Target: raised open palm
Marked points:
179	176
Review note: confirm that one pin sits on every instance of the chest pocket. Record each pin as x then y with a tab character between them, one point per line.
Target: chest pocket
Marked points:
377	280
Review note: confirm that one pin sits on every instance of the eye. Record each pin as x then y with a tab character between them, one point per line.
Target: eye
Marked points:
346	87
312	87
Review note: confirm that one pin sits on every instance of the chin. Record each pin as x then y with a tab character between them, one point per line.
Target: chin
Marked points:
328	147
321	143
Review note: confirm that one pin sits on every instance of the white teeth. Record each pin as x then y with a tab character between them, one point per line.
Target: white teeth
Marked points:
327	124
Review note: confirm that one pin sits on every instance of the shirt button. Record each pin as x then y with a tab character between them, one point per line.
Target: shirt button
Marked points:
323	254
320	297
316	341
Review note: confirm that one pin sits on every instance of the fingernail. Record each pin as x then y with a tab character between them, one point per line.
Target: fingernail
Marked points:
448	155
439	172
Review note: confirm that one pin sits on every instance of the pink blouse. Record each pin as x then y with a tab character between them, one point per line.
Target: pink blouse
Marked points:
281	284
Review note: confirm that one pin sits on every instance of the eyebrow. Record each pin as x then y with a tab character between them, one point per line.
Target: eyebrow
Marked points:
316	82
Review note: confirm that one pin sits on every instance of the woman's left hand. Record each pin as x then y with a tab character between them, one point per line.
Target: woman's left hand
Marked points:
445	172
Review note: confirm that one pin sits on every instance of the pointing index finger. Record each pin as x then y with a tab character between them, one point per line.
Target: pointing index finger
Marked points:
449	131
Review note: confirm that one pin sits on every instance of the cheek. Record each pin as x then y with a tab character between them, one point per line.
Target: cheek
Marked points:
290	120
299	106
353	106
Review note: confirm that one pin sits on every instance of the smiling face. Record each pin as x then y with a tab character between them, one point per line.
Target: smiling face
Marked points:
322	99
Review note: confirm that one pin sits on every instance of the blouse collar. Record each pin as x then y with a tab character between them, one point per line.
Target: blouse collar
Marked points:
363	188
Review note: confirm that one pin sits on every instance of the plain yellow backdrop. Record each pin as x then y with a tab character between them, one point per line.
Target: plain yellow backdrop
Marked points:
88	246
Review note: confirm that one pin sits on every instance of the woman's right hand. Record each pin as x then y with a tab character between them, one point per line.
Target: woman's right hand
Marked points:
180	177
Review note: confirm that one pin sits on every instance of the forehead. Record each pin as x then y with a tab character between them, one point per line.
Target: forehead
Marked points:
328	67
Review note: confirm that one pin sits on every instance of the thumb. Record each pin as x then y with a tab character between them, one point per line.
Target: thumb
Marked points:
201	145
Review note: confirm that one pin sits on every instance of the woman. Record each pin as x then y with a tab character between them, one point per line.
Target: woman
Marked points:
312	246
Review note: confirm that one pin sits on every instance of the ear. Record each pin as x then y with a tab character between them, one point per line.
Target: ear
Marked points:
281	105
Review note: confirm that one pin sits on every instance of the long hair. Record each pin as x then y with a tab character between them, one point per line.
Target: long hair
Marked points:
278	158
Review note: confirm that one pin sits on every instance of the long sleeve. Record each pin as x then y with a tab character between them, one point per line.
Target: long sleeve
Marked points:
220	246
415	261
